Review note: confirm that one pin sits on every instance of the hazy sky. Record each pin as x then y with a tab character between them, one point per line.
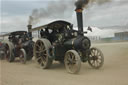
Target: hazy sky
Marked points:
15	13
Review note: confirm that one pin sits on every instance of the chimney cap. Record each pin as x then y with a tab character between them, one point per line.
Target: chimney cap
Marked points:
29	25
78	9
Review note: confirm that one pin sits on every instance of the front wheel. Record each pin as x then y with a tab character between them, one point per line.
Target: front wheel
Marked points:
95	58
22	56
72	61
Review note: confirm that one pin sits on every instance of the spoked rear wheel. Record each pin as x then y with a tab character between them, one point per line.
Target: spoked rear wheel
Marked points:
9	52
41	53
72	61
22	56
96	58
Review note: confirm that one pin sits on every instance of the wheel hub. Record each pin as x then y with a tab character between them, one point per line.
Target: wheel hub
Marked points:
95	57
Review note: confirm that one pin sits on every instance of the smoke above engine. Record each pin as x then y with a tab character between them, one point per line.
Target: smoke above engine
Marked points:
60	9
80	4
53	9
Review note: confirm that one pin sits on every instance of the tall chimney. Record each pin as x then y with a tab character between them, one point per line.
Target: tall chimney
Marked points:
29	30
79	20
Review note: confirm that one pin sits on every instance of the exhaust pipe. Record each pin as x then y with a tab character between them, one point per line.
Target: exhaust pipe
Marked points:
29	30
79	20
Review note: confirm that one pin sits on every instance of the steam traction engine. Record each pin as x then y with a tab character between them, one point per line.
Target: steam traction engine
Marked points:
19	44
61	43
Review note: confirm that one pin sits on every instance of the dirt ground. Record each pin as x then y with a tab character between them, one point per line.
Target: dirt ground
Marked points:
114	71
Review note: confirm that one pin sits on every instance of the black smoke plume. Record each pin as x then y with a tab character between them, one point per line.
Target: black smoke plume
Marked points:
54	9
60	9
100	2
80	4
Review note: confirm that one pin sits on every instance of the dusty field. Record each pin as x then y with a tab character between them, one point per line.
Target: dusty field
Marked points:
114	71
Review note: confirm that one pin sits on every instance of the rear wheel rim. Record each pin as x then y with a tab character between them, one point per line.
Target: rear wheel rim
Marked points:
41	53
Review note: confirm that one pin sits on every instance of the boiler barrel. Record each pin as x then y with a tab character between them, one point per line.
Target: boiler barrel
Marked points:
79	43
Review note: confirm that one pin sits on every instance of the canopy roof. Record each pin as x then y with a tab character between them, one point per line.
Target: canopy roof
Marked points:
18	33
60	24
14	33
